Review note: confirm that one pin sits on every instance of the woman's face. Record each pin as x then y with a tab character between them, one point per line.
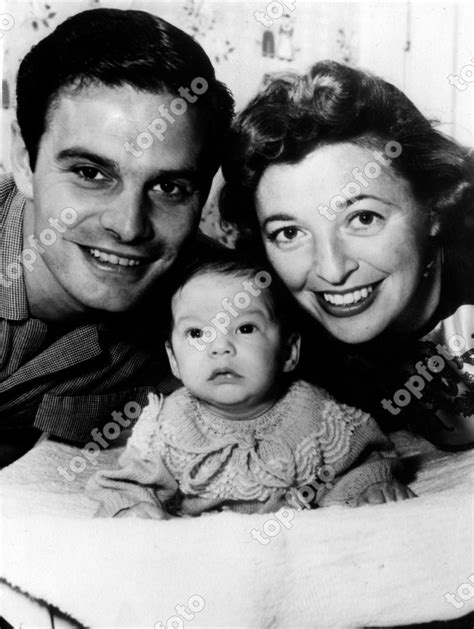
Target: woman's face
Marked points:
345	234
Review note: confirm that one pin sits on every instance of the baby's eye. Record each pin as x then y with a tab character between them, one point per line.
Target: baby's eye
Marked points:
247	328
194	333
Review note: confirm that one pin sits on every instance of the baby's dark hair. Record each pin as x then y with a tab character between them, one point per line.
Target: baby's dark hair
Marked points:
236	265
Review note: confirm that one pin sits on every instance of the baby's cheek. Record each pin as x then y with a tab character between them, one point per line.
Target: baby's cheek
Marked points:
293	269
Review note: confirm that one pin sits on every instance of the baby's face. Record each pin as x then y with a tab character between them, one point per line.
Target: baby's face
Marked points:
235	369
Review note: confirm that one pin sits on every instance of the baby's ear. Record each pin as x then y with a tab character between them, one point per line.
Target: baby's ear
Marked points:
172	360
292	354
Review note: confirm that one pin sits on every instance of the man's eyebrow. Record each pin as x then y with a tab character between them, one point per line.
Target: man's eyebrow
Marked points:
80	153
177	173
186	172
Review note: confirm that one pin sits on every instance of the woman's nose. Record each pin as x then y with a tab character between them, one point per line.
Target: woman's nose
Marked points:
333	263
126	217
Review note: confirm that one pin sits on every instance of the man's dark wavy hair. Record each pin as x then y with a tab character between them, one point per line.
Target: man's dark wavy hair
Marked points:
295	114
114	47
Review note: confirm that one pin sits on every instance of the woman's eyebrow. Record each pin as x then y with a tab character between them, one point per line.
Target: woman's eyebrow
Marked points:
363	197
278	217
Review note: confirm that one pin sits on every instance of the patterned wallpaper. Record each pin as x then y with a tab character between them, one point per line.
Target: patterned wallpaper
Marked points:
249	40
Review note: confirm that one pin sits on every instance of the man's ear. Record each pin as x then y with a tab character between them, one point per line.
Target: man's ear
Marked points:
21	163
172	360
293	345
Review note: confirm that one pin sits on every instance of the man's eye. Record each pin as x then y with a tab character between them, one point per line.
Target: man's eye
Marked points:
89	173
194	333
171	189
247	328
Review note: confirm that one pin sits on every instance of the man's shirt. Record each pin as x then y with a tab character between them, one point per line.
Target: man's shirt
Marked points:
61	378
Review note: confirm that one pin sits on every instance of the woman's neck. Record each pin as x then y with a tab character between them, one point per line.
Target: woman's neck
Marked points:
426	301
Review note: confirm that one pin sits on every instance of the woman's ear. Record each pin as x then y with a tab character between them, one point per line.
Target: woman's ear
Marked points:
435	227
172	360
20	159
292	352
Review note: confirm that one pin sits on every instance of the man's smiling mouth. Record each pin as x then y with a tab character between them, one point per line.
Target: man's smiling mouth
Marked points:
112	258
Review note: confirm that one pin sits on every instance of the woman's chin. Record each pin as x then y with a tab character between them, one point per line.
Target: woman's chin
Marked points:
352	323
359	328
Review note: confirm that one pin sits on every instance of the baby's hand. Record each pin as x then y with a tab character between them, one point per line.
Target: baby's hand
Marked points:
146	510
385	491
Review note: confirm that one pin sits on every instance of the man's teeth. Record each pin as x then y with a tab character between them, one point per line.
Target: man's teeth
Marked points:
348	298
113	259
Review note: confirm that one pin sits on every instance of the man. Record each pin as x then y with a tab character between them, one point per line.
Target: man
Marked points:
120	124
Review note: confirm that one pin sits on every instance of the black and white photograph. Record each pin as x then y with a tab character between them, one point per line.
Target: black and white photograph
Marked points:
237	314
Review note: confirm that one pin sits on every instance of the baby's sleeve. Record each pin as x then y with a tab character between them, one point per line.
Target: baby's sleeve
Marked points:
356	452
142	476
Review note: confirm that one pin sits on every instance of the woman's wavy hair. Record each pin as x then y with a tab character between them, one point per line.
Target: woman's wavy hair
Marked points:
295	114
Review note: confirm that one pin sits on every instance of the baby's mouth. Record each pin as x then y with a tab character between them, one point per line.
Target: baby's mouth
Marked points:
224	374
350	302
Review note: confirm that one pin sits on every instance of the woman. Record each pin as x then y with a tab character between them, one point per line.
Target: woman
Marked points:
365	212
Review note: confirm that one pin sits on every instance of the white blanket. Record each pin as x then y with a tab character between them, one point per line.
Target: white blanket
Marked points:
385	565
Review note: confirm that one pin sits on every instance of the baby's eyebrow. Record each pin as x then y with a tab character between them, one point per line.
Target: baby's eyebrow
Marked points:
189	319
249	312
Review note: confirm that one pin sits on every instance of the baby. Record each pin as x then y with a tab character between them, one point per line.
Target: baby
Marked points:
241	434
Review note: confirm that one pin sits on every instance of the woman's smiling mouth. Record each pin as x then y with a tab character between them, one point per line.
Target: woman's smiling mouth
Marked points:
350	302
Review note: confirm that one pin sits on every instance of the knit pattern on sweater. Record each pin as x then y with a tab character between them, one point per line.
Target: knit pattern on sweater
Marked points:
249	460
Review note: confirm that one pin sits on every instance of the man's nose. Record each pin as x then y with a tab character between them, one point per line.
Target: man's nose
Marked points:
332	262
127	217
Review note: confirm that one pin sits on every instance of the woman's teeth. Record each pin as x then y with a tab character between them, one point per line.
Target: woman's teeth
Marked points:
348	298
113	259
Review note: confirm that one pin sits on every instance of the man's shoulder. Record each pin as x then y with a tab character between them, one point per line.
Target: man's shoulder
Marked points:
8	193
7	186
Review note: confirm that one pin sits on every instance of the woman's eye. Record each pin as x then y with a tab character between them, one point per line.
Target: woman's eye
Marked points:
89	173
366	221
285	235
247	328
194	333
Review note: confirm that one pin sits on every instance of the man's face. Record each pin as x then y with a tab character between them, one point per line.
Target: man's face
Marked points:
133	213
